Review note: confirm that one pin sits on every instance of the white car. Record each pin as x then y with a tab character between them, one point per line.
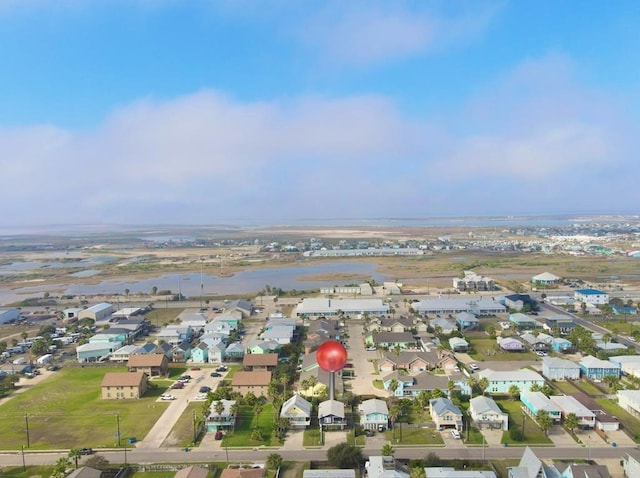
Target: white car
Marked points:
371	349
455	434
474	366
167	396
201	396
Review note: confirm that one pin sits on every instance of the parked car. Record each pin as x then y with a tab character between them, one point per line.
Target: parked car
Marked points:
219	435
201	396
205	389
215	374
474	366
371	349
167	396
177	385
85	451
455	434
368	433
195	368
221	368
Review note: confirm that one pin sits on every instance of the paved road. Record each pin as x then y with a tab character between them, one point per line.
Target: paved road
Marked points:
362	383
175	455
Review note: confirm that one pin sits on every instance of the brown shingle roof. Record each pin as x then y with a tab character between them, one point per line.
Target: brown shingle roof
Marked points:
264	360
192	472
123	379
242	473
146	360
242	378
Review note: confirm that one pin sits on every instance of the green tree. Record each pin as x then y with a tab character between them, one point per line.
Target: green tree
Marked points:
274	461
571	422
39	347
219	407
344	455
483	384
387	450
611	380
544	420
514	392
393	385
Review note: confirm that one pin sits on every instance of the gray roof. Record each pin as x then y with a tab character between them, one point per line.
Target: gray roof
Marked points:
298	402
482	404
331	407
393	337
556	362
374	405
441	405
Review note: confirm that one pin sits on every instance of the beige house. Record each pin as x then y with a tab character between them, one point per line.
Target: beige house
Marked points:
124	385
445	414
255	382
153	365
260	361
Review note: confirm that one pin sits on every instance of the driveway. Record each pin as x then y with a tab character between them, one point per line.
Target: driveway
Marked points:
362	383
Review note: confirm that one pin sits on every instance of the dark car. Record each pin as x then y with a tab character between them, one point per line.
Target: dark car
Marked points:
368	433
221	368
177	385
215	374
205	389
195	368
85	451
218	435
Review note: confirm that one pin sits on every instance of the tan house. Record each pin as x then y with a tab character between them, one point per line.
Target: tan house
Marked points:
260	361
154	365
242	473
123	385
445	414
256	382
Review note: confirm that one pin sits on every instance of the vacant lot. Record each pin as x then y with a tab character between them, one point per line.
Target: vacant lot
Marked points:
487	349
66	411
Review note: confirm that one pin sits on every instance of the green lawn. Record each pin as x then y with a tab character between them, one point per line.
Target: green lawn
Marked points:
311	436
487	349
182	432
30	472
413	436
66	411
246	422
475	436
628	421
532	433
589	388
565	387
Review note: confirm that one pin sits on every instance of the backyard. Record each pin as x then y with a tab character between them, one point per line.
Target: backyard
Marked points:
66	411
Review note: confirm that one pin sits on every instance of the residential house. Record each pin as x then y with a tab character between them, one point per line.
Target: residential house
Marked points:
445	414
546	278
473	281
466	320
568	404
501	380
248	472
154	365
631	463
331	415
458	344
282	334
240	305
257	382
597	369
443	326
192	471
260	361
235	351
315	382
561	345
123	385
402	324
232	321
196	321
486	413
119	337
181	352
629	364
604	420
538	343
392	340
564	324
262	347
531	466
175	334
374	414
523	321
624	309
297	411
629	400
200	353
579	470
85	472
510	344
536	401
221	417
383	467
560	369
450	472
218	352
122	354
591	296
610	346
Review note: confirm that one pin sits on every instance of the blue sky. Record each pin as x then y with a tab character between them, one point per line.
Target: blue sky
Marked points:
204	112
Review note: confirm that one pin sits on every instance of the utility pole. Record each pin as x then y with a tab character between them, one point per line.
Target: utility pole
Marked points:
118	427
26	422
24	464
194	428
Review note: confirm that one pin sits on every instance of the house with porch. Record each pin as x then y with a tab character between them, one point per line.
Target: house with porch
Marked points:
538	343
218	352
374	414
444	326
562	323
200	353
486	413
297	411
221	417
510	344
596	369
568	404
234	352
535	401
181	352
629	400
466	320
445	414
561	345
262	347
501	380
331	415
522	321
458	344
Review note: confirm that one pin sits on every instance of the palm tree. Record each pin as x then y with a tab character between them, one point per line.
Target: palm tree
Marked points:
235	409
422	400
483	384
544	420
387	450
514	392
393	386
571	422
219	407
75	455
284	381
472	382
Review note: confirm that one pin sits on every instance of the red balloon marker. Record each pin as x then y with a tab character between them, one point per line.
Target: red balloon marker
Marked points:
331	356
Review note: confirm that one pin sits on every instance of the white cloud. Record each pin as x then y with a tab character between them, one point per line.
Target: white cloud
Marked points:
363	33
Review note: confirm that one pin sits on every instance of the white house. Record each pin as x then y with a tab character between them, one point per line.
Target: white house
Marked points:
568	404
486	413
297	411
629	400
591	296
560	369
630	364
500	381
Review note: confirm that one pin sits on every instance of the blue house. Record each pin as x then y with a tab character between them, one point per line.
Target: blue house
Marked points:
535	401
200	353
597	369
467	320
624	310
374	414
561	345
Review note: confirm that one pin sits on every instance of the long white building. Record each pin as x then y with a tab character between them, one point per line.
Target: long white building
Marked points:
478	306
317	307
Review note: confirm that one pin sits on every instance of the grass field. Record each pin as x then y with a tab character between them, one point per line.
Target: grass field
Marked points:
532	433
246	422
486	349
565	387
182	432
30	472
66	411
414	436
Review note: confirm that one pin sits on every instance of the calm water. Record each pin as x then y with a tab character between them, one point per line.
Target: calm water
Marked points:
189	284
